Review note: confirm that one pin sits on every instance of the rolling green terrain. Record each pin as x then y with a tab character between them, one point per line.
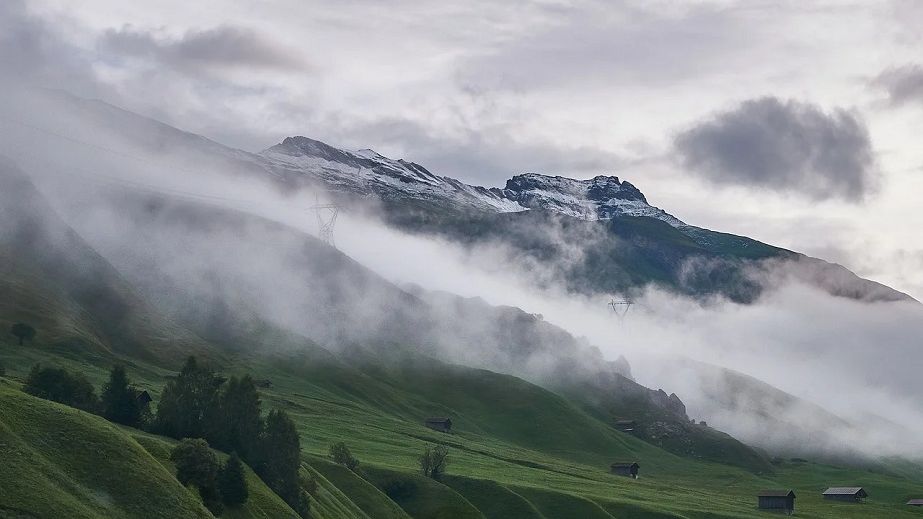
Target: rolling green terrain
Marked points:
531	454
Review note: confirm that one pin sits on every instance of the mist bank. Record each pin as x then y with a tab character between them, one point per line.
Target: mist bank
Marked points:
854	359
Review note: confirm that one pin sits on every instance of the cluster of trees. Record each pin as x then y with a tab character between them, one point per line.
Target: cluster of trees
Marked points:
218	485
228	415
201	408
119	400
60	385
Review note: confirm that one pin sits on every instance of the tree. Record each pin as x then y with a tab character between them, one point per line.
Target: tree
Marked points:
280	458
240	418
211	498
120	400
188	405
197	465
434	461
60	385
232	483
195	462
23	331
340	454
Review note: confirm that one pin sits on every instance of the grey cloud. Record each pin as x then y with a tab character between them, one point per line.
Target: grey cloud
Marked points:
785	146
219	47
616	43
32	54
902	84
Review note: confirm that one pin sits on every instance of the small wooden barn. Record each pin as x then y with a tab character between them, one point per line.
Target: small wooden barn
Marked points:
781	500
439	424
625	468
144	398
915	502
846	494
626	425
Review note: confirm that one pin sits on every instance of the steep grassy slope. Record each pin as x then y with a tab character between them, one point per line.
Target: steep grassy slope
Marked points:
261	503
372	501
53	280
60	462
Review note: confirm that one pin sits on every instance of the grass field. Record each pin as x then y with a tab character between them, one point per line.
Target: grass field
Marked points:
517	451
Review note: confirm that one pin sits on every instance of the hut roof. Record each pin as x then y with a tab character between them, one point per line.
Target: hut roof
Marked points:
438	420
625	464
144	397
915	502
776	493
845	491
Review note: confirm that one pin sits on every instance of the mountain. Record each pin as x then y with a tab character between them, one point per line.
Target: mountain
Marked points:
625	242
598	237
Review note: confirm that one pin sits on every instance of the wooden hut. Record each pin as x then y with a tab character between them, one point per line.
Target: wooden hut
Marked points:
626	425
144	398
439	424
915	502
781	500
846	494
625	468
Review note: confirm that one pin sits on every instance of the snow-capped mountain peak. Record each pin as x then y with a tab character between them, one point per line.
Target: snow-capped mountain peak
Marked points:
599	198
367	172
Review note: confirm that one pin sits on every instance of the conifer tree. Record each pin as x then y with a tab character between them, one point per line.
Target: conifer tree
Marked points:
240	418
232	482
188	407
281	456
119	400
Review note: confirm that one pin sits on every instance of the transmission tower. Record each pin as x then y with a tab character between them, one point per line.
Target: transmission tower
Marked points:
326	218
620	307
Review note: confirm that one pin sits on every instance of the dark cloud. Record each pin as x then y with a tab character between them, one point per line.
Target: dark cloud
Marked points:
220	47
902	84
786	146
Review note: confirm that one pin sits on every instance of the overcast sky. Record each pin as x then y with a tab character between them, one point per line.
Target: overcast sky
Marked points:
797	123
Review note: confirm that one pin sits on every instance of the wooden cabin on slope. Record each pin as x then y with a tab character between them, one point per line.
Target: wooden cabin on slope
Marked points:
144	398
781	500
626	425
439	424
846	494
625	468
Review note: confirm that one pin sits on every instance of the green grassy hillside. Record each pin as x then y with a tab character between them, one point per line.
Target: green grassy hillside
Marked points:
494	464
53	280
61	462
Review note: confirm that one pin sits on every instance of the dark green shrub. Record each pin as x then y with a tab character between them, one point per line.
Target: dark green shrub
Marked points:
341	455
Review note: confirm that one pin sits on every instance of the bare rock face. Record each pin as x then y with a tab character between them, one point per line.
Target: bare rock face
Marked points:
671	403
